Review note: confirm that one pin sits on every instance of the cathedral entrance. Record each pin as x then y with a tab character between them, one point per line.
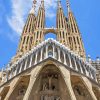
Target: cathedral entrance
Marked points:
49	85
20	88
80	89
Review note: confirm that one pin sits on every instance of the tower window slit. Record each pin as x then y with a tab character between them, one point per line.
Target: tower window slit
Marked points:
75	28
37	34
74	21
31	40
27	40
74	40
63	35
26	29
42	21
40	35
72	28
78	40
67	26
59	22
62	20
24	40
38	22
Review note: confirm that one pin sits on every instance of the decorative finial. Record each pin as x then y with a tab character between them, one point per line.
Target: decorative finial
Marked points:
98	59
68	5
89	58
33	7
34	4
59	3
42	3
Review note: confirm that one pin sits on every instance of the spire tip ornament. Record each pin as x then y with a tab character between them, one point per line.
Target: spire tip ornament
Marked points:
33	7
68	5
42	3
59	3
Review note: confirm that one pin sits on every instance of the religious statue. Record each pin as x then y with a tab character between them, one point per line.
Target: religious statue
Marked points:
45	86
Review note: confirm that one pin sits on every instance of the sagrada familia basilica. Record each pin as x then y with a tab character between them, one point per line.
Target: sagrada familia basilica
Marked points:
51	69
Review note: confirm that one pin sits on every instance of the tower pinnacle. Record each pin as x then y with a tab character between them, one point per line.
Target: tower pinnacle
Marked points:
59	3
68	5
42	3
32	11
75	39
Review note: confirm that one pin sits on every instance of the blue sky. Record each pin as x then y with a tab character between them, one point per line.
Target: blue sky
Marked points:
14	12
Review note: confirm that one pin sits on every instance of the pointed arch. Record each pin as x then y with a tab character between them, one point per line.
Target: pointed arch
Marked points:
81	89
18	91
49	82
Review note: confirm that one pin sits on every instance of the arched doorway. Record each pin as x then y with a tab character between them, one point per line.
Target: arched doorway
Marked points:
49	85
50	35
20	88
80	90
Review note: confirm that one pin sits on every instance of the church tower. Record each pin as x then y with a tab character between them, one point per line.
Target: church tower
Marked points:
50	69
27	37
75	39
33	33
40	24
62	26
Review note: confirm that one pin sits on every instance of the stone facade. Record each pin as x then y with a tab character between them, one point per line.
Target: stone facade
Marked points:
50	69
96	64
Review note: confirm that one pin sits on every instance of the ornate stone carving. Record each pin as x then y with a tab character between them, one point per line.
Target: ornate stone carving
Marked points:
46	97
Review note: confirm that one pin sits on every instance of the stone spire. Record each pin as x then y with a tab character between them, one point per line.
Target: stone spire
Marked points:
62	36
75	39
42	4
26	41
59	3
68	6
32	11
40	24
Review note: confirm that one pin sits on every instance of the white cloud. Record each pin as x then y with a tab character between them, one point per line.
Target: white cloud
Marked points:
20	9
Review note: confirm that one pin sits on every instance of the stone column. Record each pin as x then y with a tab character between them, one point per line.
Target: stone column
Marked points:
25	67
81	67
36	57
59	59
67	78
16	70
33	78
53	51
90	73
64	58
11	73
69	57
13	85
75	64
41	54
46	52
84	69
21	66
89	87
31	60
87	71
